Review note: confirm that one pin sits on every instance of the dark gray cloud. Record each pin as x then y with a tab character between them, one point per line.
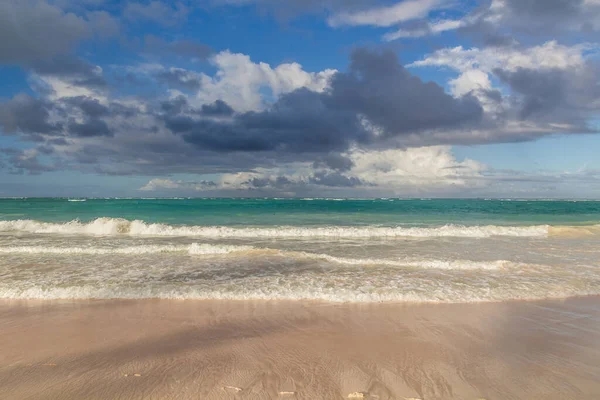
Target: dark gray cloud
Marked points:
334	161
27	114
532	15
381	89
279	182
21	161
569	96
33	30
217	109
179	79
76	71
90	107
530	19
90	128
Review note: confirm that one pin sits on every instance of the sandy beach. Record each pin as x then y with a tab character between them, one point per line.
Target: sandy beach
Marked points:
166	349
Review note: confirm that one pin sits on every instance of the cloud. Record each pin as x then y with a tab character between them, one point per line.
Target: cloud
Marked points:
494	22
551	16
90	107
90	128
377	90
217	109
158	12
103	24
160	184
390	15
552	85
187	49
549	55
33	29
425	29
572	96
25	160
293	118
179	78
27	114
239	81
393	172
72	71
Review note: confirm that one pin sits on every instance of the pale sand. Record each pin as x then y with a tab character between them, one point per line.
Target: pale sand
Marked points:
160	349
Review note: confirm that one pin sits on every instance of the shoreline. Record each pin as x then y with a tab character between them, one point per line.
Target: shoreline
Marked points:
222	349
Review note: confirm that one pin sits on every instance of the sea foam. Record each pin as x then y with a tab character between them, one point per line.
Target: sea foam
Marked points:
200	249
119	226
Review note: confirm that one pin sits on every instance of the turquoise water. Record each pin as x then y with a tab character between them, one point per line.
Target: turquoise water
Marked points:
389	250
301	212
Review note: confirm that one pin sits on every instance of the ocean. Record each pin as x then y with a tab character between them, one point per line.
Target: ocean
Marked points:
340	250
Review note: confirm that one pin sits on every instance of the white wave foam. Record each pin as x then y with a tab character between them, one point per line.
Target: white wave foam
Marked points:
299	292
76	200
210	249
193	249
418	263
118	226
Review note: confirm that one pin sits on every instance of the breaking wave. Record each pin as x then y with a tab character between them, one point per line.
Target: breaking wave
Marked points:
119	226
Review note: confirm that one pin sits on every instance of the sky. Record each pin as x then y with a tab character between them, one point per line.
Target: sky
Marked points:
300	98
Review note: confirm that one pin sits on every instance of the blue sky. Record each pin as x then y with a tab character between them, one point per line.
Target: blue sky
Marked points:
267	98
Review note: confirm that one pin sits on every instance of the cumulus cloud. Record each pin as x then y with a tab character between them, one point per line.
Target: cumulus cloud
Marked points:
553	85
239	81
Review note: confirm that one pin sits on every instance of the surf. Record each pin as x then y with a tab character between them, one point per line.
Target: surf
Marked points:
119	226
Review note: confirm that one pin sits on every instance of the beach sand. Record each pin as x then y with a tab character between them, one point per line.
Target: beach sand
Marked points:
168	349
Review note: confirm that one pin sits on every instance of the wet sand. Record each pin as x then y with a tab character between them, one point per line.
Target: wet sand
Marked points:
166	349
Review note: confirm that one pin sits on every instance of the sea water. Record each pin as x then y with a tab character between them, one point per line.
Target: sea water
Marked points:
347	250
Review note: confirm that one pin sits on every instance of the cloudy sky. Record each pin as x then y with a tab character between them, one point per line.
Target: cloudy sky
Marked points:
334	98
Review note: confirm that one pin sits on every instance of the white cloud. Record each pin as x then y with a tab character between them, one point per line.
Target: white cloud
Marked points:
469	81
432	167
64	87
241	82
432	28
387	16
546	56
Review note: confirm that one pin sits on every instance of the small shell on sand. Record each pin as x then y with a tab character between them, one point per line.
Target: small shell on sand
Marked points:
232	388
287	393
358	395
